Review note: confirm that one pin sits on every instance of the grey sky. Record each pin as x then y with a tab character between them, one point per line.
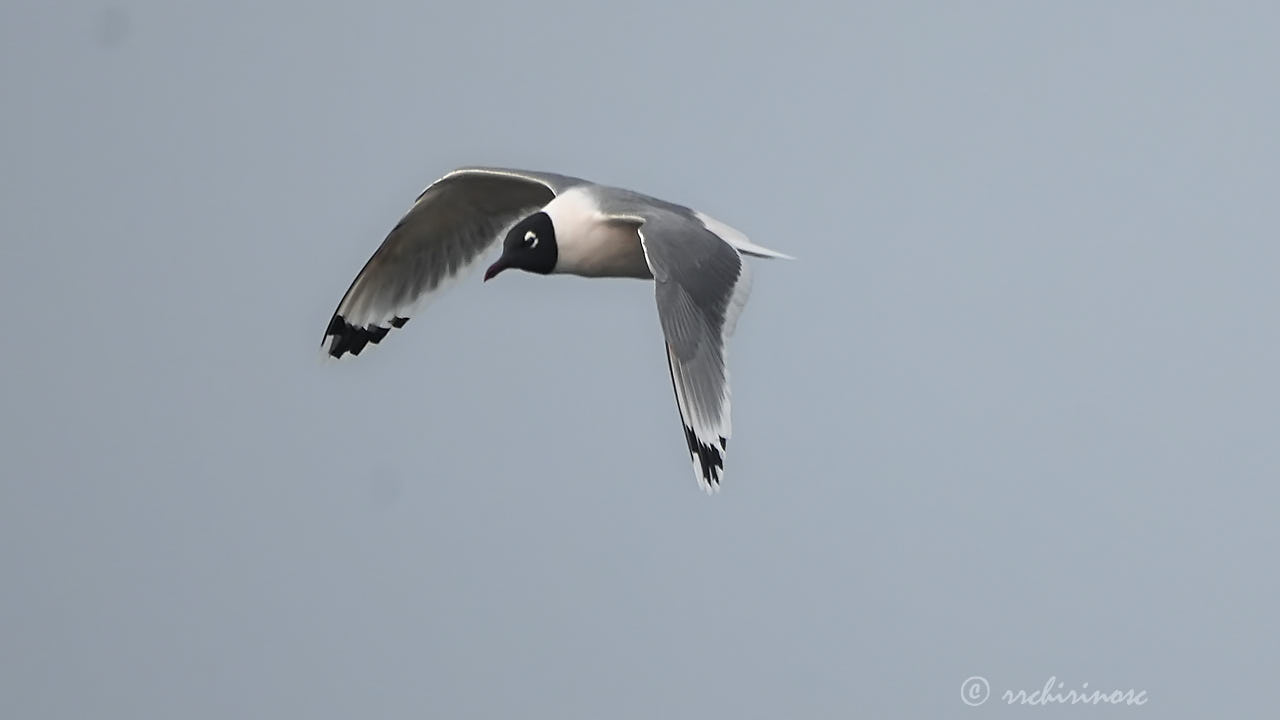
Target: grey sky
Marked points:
1011	413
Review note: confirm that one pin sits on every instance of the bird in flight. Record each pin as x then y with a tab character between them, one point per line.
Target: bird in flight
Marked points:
550	223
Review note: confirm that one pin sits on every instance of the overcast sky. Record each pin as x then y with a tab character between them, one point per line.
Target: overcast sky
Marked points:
1012	413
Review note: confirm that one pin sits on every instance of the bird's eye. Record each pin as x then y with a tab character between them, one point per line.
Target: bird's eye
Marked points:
531	239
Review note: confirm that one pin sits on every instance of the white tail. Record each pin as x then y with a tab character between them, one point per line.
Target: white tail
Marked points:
738	240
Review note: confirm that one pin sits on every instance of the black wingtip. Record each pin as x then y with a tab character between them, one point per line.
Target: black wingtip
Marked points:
710	458
344	337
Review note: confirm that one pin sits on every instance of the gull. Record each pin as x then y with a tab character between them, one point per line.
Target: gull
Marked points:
550	224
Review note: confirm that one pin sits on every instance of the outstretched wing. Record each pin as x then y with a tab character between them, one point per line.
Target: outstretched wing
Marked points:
701	286
451	226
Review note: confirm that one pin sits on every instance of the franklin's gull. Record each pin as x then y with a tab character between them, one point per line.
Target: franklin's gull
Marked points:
559	224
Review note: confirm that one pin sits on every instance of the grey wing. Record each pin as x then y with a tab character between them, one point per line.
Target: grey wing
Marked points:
701	286
451	226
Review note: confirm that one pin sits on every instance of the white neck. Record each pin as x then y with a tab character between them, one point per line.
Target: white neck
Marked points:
589	243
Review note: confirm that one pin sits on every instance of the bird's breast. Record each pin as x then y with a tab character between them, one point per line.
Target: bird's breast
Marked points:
591	244
606	248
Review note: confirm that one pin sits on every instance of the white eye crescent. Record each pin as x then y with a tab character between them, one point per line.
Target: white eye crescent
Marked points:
531	239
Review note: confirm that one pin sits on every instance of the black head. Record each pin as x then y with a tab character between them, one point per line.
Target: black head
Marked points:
530	245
